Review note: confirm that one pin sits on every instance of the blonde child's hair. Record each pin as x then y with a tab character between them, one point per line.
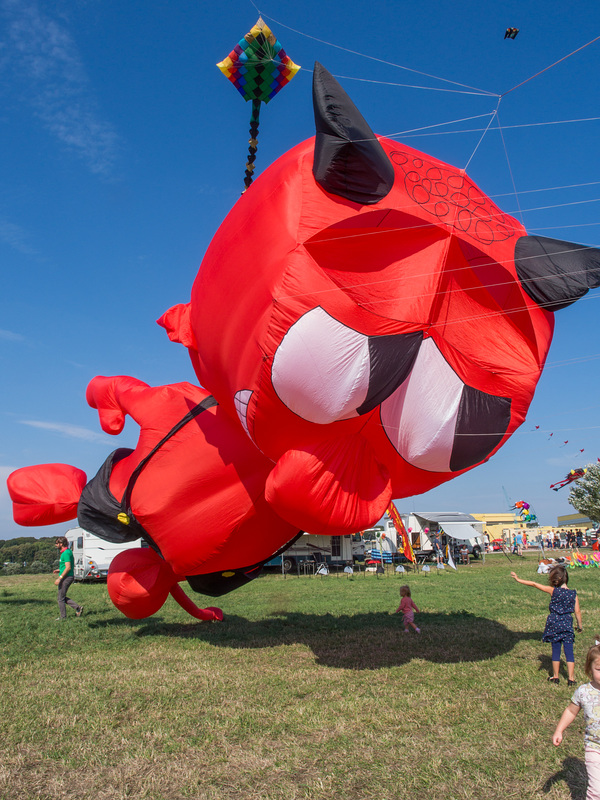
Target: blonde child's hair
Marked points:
405	591
592	654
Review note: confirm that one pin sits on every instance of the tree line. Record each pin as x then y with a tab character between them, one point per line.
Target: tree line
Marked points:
25	554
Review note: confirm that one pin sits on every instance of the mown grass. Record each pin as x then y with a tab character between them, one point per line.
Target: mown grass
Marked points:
308	689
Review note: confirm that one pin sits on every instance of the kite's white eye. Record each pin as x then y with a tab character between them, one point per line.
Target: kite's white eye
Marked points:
438	423
420	417
321	368
325	371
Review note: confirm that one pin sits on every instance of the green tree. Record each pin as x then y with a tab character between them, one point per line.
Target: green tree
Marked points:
29	549
38	566
11	569
585	493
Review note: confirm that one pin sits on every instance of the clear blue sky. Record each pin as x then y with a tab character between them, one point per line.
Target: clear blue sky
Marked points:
123	147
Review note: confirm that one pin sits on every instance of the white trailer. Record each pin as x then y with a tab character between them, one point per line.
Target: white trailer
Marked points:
319	549
452	527
93	555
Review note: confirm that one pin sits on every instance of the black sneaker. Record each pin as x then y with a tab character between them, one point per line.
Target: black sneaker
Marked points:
79	611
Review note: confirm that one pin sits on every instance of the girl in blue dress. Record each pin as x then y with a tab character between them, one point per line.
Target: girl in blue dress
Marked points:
559	624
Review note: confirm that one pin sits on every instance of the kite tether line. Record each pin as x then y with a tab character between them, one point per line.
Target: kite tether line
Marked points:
560	60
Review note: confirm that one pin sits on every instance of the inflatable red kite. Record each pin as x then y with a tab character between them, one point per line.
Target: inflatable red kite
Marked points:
370	325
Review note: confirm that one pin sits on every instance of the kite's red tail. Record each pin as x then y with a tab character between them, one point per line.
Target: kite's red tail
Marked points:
45	494
139	582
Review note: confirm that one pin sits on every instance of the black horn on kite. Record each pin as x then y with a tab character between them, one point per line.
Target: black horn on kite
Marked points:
556	273
349	161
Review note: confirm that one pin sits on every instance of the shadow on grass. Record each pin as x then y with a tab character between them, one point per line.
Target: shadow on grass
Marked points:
359	641
546	665
22	601
115	621
574	774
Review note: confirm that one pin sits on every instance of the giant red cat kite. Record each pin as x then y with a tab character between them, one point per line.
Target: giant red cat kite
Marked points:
370	325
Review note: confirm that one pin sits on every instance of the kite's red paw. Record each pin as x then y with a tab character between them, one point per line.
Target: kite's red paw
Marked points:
45	494
331	486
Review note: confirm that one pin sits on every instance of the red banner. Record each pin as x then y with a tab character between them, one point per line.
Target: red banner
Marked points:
404	545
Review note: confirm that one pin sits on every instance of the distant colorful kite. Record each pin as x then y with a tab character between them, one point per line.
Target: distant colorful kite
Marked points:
573	475
511	33
565	441
259	68
524	511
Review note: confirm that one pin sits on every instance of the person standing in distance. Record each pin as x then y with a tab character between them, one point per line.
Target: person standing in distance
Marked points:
66	576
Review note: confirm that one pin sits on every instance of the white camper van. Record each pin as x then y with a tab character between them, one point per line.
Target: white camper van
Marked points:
318	549
93	554
452	527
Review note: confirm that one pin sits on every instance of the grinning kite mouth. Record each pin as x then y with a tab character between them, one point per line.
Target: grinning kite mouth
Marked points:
326	372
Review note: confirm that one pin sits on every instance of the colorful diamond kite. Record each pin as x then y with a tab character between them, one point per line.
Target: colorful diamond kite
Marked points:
259	68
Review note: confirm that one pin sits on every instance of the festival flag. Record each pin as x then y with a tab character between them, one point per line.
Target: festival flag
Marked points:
449	558
404	545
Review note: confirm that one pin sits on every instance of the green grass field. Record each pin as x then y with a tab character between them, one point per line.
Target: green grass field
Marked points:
307	689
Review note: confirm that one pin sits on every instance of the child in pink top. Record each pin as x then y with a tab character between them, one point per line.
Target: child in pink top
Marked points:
408	608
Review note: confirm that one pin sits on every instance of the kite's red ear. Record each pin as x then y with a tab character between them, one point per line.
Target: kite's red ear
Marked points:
45	494
349	161
176	321
555	273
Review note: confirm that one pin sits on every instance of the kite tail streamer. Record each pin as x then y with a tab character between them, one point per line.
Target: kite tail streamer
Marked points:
211	613
253	142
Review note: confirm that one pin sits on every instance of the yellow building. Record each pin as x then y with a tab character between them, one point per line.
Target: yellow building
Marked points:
575	521
504	525
496	525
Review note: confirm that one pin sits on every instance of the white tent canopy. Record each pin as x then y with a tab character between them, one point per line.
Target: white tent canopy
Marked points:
461	531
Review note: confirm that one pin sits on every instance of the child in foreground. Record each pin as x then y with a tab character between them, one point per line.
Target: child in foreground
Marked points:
586	697
408	608
559	623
